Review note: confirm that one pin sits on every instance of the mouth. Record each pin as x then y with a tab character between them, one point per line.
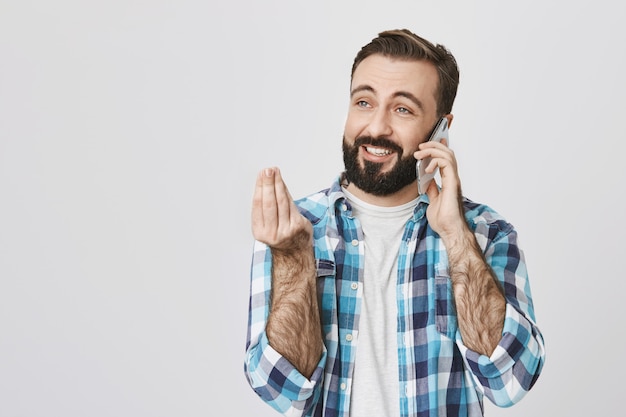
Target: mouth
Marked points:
376	151
377	154
379	150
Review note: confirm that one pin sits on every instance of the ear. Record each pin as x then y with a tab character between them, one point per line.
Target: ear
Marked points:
449	116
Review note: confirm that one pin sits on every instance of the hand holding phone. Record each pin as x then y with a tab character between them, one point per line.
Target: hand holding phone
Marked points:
439	132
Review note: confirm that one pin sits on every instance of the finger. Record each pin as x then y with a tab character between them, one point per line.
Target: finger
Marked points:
443	155
283	200
269	206
257	203
432	150
294	213
432	191
450	181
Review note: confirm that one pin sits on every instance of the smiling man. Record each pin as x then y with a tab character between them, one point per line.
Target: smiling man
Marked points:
392	111
368	299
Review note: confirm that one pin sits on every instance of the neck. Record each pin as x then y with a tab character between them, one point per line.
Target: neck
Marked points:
402	196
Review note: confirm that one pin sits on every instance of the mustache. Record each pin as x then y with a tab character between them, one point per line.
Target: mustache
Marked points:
379	141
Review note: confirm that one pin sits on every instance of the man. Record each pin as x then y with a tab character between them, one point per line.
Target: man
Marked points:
368	299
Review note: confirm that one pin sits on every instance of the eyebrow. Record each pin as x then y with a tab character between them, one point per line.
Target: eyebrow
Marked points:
404	94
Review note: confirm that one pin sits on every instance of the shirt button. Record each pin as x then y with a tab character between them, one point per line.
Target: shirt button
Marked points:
349	337
354	285
343	386
344	207
355	242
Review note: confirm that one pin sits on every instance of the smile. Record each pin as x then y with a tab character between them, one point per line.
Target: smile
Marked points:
378	151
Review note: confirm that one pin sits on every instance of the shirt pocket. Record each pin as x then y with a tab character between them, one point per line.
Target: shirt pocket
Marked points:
326	294
445	312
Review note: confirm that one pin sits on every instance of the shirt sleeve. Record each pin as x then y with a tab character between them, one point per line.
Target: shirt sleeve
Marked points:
270	375
513	368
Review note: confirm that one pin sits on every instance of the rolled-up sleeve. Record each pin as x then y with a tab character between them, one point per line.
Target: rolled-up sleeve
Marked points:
512	369
269	374
514	366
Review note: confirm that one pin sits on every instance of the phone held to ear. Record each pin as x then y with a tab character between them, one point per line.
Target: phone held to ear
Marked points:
423	178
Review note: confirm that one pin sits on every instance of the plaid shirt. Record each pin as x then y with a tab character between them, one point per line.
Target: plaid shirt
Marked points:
438	374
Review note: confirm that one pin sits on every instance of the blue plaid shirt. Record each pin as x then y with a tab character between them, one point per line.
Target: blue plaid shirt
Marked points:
438	374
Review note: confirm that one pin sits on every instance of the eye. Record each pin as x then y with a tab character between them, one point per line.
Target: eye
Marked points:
362	103
403	110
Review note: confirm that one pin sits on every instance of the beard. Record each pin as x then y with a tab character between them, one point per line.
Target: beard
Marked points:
369	177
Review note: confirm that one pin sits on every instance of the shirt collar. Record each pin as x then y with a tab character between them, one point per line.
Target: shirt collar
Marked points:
337	198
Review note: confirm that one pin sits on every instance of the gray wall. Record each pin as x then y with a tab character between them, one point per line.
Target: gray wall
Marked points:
131	133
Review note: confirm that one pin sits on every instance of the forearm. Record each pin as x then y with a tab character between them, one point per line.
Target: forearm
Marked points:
479	299
508	375
293	328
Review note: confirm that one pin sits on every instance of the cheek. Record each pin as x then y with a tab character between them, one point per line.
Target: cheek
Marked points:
354	125
411	140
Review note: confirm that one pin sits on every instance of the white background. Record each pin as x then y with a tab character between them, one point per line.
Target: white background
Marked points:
131	133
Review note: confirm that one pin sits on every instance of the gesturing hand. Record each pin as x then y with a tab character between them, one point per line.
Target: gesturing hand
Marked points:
293	326
276	220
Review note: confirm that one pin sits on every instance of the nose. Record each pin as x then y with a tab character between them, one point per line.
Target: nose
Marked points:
379	124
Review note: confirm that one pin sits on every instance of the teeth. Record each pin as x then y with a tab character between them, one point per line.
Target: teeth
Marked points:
378	151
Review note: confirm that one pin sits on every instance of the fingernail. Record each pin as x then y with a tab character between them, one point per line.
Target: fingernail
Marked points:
268	172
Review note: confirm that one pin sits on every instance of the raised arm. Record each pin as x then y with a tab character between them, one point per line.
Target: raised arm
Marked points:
293	327
480	302
499	339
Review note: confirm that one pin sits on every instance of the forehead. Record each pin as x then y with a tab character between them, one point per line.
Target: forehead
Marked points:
387	75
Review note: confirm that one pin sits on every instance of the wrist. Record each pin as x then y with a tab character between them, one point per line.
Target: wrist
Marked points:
293	270
458	239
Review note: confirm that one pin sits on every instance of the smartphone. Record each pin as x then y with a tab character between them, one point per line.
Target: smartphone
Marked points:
440	131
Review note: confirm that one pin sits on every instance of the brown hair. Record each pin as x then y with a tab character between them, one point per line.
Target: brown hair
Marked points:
406	45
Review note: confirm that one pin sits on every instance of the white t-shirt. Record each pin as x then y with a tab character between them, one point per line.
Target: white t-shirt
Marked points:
375	386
